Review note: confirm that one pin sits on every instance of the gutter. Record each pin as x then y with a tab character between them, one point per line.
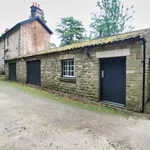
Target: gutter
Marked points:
144	71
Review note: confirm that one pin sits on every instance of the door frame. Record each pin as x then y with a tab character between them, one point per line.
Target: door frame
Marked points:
100	84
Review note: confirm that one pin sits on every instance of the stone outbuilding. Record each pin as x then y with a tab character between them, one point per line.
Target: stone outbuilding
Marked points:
113	70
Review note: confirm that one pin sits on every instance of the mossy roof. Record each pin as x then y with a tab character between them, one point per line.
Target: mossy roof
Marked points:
102	41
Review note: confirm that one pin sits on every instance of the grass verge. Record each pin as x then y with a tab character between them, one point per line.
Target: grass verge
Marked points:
36	91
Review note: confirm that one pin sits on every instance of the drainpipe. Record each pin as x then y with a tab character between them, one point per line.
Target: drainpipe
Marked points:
144	71
4	54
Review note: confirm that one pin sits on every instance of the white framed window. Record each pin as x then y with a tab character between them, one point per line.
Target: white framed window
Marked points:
68	68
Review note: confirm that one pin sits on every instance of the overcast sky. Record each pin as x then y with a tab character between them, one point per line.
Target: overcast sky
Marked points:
12	12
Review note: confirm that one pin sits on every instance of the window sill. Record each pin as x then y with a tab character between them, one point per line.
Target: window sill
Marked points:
68	79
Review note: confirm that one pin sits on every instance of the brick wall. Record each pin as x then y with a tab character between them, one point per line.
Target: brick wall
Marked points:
87	70
34	37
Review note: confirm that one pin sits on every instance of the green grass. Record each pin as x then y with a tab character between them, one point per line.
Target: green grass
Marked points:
2	77
44	94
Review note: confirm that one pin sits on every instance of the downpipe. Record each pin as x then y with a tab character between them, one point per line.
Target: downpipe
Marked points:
144	71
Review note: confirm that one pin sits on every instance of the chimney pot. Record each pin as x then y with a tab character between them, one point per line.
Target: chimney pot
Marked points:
36	11
6	30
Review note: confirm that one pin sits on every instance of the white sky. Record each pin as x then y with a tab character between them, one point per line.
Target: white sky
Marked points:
12	12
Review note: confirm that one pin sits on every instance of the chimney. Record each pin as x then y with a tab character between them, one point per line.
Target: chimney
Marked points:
6	30
36	11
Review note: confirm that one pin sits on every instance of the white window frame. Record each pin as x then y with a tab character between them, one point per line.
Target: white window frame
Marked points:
67	66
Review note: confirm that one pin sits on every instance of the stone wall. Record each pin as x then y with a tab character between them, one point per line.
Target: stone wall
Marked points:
12	49
1	58
7	70
86	74
134	78
86	83
21	71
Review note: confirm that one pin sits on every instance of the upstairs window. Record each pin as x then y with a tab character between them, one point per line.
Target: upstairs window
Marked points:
3	44
68	68
7	40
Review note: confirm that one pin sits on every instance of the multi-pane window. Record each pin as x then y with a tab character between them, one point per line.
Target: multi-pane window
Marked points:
68	68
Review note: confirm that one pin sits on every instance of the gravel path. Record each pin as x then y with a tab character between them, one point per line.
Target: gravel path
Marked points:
35	123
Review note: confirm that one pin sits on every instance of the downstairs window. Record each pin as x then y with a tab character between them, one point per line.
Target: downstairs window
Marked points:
68	68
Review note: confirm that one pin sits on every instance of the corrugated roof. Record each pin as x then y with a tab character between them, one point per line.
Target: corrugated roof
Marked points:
27	21
102	41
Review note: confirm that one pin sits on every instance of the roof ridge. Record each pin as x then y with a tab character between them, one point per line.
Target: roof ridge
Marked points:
27	21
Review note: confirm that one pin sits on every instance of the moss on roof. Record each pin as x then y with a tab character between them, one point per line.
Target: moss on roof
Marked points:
105	40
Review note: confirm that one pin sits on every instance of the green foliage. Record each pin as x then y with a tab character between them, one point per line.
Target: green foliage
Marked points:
70	31
52	45
112	19
43	18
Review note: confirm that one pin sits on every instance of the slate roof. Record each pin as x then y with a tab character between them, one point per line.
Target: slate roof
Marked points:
25	22
103	41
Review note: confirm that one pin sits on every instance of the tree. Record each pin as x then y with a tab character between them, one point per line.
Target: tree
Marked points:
70	31
52	45
112	19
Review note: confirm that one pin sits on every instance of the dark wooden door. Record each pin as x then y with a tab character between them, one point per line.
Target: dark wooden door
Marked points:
34	72
12	71
113	80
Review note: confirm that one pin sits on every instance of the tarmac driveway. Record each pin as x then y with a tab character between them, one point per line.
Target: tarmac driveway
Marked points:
34	123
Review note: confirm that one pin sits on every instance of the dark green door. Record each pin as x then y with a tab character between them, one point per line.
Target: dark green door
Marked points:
34	72
12	71
113	80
